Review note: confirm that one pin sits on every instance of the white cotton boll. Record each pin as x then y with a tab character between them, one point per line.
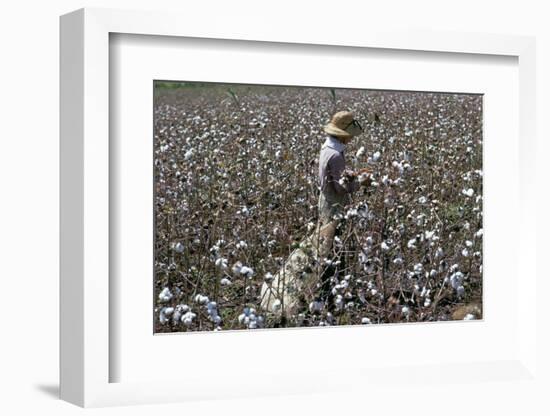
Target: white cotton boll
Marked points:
247	271
339	301
465	252
276	305
384	246
165	295
201	299
363	211
241	318
427	302
405	311
469	243
398	261
225	282
236	269
469	317
398	166
456	280
221	263
439	252
268	277
242	244
433	273
178	247
468	192
365	321
479	233
188	154
164	314
180	310
187	318
352	212
422	200
418	267
429	234
376	156
411	243
360	152
460	291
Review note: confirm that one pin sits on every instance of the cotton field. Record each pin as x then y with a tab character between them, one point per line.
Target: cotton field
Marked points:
236	191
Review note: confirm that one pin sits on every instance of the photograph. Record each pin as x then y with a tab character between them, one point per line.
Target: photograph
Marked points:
301	206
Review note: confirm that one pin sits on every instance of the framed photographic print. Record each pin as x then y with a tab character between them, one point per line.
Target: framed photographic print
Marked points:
293	208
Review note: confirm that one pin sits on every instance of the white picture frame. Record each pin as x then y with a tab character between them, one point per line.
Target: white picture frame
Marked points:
85	354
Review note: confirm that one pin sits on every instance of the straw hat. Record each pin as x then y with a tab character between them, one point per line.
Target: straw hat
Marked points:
343	125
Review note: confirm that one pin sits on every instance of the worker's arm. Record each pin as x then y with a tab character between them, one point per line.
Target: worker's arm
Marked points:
342	185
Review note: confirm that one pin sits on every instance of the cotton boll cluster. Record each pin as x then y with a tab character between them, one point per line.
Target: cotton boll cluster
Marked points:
250	319
164	314
187	318
375	157
221	263
212	310
165	295
456	279
180	310
239	269
247	271
201	299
